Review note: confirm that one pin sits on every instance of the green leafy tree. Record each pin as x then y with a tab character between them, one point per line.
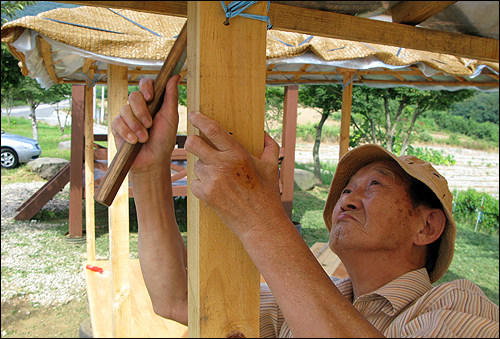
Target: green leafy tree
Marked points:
34	95
11	8
482	107
325	99
275	96
387	116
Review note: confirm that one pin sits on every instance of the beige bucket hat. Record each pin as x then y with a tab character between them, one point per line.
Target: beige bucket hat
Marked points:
421	170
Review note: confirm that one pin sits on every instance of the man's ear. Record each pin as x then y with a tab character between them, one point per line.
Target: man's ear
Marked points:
435	222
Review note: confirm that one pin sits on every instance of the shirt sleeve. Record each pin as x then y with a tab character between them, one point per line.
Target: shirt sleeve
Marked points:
271	317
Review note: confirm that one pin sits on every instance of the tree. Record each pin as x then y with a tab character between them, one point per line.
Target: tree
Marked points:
387	116
325	99
34	95
10	9
275	97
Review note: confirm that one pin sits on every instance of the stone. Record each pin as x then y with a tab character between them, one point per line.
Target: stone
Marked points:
303	180
65	145
46	167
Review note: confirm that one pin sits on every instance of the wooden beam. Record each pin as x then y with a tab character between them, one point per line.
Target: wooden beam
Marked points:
76	180
341	26
416	12
47	59
118	214
348	27
175	8
288	144
223	293
86	65
89	174
345	119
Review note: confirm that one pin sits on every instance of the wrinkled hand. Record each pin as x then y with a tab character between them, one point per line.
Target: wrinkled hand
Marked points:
132	124
242	189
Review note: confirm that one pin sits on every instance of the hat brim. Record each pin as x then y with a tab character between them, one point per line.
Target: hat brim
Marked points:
363	155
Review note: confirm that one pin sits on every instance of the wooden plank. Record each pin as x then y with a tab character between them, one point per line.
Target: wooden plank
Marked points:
224	294
89	173
44	47
76	178
345	119
36	202
288	144
146	324
416	12
118	214
340	26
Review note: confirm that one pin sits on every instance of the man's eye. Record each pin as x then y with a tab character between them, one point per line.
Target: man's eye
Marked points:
346	191
375	182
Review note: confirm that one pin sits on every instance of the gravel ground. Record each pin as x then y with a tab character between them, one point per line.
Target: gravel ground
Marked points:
36	260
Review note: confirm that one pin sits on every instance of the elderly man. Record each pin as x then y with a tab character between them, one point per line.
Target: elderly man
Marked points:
389	219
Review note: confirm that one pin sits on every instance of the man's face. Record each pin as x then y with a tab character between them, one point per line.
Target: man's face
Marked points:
374	212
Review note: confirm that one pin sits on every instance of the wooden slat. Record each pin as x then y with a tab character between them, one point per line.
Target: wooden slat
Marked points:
89	173
223	282
36	202
288	143
145	323
345	119
118	214
416	12
47	59
86	65
77	150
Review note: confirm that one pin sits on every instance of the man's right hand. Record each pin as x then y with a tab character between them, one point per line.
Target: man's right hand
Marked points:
132	124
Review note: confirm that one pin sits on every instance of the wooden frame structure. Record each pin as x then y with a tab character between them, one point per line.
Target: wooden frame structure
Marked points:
223	294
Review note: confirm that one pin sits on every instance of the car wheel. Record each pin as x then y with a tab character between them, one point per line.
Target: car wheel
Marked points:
9	158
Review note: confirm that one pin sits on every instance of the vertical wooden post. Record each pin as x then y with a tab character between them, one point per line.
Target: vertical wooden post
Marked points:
226	79
89	172
345	120
76	180
118	214
288	143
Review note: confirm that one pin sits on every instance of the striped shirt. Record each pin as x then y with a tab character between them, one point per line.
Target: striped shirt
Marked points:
409	306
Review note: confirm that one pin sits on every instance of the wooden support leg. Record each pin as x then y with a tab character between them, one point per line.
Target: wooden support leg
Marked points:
89	173
76	180
118	214
288	143
226	79
345	120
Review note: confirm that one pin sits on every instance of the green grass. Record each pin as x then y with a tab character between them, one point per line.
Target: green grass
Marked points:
49	136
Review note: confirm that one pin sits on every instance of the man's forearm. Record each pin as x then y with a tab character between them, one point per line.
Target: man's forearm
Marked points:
162	252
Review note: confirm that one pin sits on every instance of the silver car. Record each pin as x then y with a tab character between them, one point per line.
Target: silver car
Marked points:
17	149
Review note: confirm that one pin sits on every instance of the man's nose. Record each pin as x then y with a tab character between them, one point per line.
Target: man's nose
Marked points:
351	201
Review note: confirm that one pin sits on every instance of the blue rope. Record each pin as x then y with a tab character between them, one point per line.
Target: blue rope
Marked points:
78	25
237	7
135	23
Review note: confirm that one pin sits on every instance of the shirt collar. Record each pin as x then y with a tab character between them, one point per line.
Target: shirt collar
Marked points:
399	293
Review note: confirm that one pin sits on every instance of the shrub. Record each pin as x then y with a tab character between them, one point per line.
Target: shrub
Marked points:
436	157
471	205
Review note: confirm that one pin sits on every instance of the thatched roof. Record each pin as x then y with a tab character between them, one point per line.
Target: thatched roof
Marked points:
73	41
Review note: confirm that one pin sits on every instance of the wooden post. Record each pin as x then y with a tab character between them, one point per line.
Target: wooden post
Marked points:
89	172
118	214
288	144
345	120
76	180
226	79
